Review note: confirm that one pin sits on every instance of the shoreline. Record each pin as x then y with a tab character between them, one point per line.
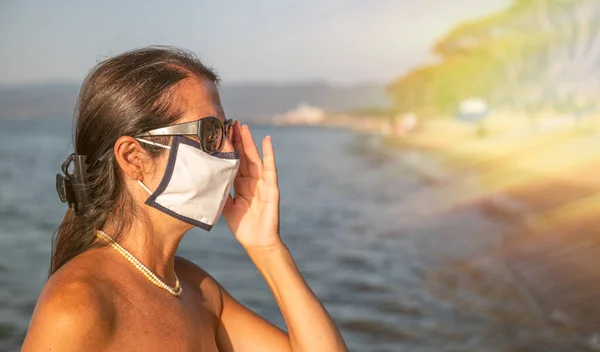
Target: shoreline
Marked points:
512	145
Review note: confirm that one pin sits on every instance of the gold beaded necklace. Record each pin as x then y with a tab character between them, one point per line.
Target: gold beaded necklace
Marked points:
175	291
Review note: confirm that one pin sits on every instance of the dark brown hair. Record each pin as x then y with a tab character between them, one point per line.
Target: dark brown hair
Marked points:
124	95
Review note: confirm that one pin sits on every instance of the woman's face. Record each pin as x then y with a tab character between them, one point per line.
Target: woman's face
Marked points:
199	99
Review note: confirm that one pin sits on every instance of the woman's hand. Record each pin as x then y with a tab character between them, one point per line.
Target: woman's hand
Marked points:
253	214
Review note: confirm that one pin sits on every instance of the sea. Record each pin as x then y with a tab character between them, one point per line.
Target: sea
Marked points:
397	264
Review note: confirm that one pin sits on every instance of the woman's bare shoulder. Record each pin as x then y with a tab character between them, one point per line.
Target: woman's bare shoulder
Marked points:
73	312
200	280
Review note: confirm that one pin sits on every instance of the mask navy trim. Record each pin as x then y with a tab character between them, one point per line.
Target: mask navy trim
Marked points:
151	201
229	155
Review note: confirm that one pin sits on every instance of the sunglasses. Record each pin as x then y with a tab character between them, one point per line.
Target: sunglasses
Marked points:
210	131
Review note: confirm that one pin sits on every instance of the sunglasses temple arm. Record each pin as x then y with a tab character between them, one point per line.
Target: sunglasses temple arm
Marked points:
173	130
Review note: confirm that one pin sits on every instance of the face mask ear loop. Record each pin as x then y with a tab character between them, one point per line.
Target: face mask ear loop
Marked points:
153	143
144	186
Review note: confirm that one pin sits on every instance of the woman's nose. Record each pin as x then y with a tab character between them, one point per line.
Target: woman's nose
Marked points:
227	146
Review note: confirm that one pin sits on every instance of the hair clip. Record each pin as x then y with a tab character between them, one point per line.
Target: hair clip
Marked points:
72	187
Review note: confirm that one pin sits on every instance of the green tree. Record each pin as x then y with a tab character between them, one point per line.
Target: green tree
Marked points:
535	54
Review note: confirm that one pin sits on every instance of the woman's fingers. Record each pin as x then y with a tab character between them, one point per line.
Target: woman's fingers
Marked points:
269	166
238	145
252	156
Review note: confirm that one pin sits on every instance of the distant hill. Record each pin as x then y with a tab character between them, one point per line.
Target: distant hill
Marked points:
246	101
254	100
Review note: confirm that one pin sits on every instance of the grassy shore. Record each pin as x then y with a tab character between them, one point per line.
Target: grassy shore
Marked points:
544	168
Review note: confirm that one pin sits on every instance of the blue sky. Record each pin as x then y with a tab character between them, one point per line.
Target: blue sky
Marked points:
341	41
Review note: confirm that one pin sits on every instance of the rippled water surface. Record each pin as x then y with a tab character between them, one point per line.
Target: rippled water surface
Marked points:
396	265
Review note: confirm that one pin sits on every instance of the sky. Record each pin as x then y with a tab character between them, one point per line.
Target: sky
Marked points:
339	41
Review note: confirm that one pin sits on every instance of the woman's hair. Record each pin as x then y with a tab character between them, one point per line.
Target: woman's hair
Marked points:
122	96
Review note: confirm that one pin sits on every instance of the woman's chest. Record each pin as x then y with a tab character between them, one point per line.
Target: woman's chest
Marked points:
165	326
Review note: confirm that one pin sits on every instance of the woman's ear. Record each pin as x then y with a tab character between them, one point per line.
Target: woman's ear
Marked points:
132	158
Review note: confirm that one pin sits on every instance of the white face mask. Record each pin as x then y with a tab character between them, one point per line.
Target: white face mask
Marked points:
196	184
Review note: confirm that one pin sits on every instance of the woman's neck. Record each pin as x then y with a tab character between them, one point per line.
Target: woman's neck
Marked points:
154	245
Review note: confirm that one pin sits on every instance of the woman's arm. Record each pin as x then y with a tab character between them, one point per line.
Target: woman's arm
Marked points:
253	217
309	325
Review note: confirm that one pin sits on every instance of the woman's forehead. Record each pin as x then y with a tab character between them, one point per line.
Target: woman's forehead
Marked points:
200	98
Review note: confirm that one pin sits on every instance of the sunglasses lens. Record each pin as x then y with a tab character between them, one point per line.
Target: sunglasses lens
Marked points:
211	134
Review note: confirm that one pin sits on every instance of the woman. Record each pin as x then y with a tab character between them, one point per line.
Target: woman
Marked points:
154	157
